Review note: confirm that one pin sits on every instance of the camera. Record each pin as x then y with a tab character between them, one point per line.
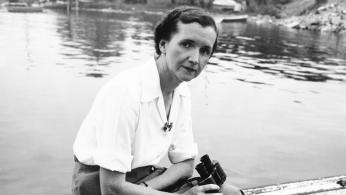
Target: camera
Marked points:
210	172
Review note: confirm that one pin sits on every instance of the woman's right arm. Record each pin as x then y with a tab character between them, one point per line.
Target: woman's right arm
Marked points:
113	182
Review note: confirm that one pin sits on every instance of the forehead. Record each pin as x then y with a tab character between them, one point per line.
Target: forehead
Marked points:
196	32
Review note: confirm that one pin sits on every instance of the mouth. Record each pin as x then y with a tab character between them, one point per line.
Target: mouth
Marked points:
189	69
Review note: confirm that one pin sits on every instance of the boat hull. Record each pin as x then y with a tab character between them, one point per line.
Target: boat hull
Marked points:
24	9
234	19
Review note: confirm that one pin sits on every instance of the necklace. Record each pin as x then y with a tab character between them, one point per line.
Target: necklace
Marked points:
168	125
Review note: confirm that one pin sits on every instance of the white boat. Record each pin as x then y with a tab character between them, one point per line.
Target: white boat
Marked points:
226	5
23	7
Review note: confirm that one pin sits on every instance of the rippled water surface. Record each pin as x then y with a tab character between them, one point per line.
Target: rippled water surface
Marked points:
270	106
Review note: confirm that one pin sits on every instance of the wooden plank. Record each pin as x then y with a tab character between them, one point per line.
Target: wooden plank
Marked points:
323	186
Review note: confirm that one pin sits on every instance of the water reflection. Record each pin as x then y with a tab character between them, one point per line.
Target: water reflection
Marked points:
104	38
299	56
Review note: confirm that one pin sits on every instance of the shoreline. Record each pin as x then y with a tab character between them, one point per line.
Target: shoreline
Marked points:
321	20
328	17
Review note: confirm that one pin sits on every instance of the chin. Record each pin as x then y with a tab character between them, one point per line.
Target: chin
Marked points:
183	76
187	78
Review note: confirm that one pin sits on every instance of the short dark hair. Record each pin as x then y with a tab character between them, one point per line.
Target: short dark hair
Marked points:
168	25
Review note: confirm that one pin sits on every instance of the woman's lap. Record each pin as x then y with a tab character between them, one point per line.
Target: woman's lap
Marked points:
86	180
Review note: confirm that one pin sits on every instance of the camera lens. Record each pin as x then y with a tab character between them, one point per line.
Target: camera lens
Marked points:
202	170
219	175
207	163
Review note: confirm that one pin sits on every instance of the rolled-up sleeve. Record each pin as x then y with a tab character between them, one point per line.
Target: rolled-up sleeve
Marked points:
115	123
183	146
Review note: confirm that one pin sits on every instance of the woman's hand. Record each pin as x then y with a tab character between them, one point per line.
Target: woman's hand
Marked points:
200	190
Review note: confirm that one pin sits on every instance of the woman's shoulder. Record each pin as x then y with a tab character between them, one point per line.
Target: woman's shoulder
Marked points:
125	83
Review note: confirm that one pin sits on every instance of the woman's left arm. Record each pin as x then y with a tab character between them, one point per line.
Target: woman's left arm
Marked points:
175	172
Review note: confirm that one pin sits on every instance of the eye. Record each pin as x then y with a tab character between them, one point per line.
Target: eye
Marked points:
206	51
186	44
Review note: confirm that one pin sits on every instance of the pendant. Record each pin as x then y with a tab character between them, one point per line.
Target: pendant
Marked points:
167	126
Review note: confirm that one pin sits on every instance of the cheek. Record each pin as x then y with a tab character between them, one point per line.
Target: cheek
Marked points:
175	50
176	56
204	61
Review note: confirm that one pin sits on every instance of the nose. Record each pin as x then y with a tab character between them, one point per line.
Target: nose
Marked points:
194	57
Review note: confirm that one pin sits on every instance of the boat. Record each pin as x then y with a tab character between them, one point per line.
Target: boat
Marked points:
22	7
235	18
56	5
323	186
227	5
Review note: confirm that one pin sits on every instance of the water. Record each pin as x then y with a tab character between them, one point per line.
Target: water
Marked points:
270	106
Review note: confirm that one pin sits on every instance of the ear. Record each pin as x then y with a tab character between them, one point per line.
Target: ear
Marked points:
162	46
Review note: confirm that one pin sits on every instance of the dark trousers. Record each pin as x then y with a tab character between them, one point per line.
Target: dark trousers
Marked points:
86	178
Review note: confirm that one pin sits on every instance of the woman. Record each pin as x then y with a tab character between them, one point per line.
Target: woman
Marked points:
144	114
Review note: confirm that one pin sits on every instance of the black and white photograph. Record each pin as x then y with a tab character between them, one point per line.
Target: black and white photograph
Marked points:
159	97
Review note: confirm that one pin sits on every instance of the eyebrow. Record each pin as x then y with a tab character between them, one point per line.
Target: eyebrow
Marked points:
193	41
188	40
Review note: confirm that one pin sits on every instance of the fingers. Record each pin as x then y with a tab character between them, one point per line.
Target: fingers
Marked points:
199	190
230	189
208	187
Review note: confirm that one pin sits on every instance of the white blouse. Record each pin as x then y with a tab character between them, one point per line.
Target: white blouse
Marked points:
124	128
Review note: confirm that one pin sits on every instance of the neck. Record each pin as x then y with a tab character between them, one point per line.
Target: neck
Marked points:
168	81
